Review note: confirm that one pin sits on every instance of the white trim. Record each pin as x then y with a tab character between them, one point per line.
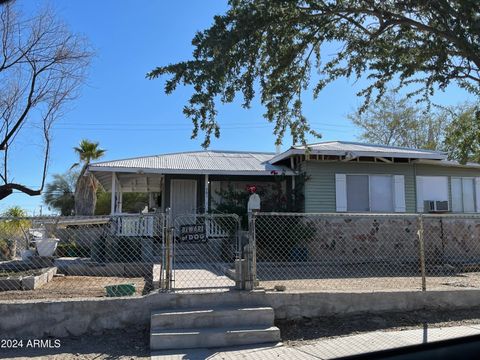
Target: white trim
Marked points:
114	194
384	154
447	163
190	172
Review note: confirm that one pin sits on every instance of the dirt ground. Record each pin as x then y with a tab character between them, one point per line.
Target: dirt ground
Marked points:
406	283
73	287
129	344
133	343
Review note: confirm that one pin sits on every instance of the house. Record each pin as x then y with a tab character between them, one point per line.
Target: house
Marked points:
188	182
341	177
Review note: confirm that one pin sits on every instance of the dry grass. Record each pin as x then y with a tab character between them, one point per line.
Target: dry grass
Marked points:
73	287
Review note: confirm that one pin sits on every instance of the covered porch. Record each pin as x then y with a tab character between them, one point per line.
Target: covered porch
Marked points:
187	183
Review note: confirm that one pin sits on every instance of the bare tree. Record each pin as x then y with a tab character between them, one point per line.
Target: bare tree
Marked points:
42	65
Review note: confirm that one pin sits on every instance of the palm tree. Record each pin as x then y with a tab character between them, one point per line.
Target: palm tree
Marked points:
86	186
12	229
59	194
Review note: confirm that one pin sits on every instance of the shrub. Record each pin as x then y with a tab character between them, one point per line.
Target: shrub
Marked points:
72	250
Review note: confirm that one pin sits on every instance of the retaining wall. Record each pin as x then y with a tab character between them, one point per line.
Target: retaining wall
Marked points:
37	319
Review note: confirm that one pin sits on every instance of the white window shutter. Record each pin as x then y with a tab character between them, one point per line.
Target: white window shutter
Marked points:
477	193
341	192
419	194
399	193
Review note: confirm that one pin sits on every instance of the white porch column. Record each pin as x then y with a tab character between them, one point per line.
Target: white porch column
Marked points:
114	193
206	193
120	196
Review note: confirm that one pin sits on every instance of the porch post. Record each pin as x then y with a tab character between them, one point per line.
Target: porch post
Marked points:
206	193
114	193
120	197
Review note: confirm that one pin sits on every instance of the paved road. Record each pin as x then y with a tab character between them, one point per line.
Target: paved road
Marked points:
328	348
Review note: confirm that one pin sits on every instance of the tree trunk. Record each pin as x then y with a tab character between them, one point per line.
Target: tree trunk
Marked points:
85	195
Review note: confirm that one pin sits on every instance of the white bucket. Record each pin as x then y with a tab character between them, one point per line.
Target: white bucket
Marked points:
46	247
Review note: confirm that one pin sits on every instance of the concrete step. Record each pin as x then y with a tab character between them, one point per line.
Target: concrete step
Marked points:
228	317
161	339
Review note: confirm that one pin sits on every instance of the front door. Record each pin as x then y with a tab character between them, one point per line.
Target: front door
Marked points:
183	197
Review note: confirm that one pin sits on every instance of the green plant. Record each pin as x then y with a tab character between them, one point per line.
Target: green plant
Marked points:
87	185
14	227
72	250
277	236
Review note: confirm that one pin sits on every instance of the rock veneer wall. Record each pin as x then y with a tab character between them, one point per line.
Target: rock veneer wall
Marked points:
355	239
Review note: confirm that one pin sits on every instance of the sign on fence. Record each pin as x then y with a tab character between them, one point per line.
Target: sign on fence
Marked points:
193	233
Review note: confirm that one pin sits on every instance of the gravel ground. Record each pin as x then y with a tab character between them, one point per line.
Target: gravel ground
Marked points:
305	331
131	344
464	280
72	287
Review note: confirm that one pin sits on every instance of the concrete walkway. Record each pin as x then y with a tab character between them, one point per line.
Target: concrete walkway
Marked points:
328	348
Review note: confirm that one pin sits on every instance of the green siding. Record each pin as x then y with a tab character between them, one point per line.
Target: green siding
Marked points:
320	187
432	170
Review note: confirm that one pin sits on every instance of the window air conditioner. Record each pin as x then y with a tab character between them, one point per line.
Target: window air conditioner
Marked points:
435	206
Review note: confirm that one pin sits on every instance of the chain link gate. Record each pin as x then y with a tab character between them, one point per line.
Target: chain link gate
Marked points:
200	251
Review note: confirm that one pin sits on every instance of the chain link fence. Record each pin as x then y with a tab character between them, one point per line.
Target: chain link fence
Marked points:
69	257
205	247
74	257
366	252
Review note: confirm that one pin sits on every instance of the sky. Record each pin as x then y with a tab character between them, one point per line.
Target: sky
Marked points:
131	116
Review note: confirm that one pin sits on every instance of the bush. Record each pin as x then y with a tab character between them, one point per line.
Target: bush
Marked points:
72	250
124	249
282	238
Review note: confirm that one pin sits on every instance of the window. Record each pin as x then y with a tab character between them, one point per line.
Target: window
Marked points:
370	193
463	194
357	193
431	188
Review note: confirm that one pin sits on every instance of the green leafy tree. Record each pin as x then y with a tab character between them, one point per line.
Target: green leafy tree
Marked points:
86	186
59	193
273	46
398	122
462	135
132	202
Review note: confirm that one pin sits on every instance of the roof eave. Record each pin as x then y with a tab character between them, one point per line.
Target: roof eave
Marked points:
190	172
293	151
447	164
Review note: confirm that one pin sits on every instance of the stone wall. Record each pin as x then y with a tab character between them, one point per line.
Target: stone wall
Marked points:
391	238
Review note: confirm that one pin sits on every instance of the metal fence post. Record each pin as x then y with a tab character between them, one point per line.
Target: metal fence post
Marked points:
251	256
422	251
167	251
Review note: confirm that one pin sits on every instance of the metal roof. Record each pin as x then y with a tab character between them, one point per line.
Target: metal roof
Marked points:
342	148
196	162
